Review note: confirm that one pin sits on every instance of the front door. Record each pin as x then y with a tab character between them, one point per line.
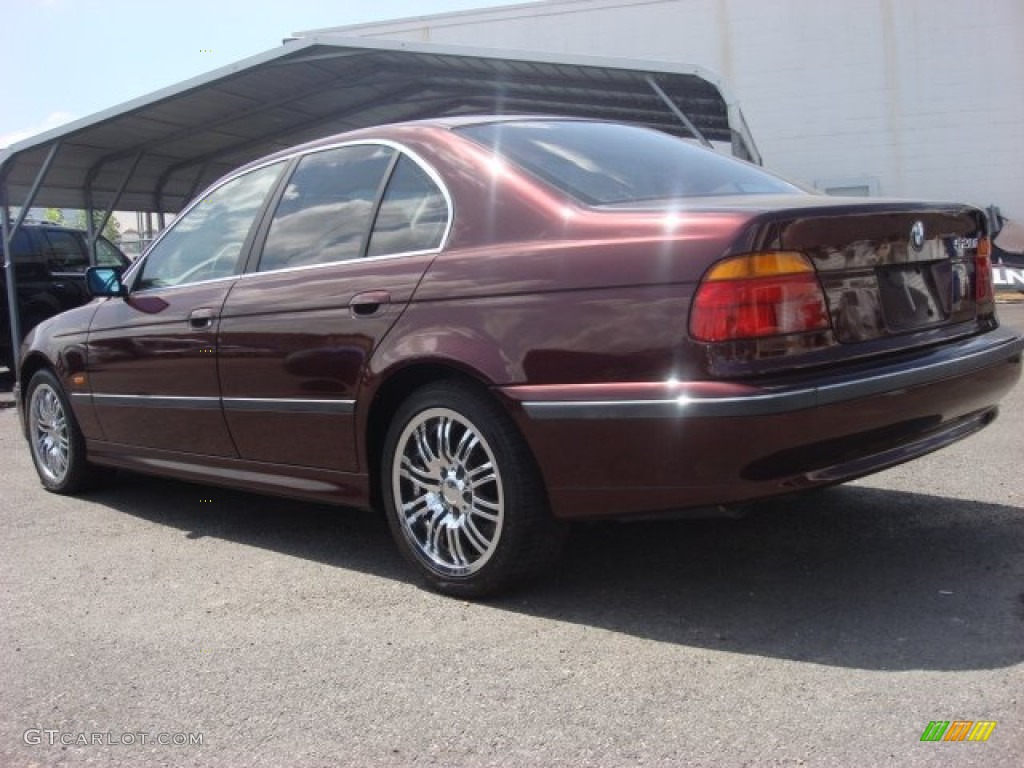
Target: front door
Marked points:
152	354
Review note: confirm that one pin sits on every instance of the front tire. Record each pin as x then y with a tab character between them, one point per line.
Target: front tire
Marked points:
58	447
464	499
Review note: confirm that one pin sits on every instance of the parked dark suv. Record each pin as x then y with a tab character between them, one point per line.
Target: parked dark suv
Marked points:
50	263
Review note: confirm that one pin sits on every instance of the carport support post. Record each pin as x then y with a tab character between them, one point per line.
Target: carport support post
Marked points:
96	231
8	234
678	113
742	140
90	227
12	291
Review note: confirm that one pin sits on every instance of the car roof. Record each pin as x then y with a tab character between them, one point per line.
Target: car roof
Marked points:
380	131
50	225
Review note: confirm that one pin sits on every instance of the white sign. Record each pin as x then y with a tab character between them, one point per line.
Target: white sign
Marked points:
1008	278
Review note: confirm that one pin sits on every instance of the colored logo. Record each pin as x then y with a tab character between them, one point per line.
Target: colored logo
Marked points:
958	730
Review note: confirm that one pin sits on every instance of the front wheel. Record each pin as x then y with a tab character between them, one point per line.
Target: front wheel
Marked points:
464	500
58	447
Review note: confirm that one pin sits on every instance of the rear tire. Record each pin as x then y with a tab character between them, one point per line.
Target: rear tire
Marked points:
55	439
464	499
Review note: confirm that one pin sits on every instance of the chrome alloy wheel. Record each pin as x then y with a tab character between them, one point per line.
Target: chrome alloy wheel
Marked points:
448	490
49	433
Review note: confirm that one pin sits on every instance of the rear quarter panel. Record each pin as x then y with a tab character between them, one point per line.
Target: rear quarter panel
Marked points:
608	304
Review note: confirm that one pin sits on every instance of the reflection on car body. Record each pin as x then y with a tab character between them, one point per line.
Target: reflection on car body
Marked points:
491	326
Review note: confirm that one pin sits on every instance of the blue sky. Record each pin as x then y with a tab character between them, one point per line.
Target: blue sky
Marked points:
66	59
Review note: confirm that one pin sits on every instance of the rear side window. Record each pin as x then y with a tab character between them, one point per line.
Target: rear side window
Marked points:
609	163
412	215
325	213
64	251
21	247
28	261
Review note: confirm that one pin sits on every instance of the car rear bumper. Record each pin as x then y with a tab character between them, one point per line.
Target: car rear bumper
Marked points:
616	449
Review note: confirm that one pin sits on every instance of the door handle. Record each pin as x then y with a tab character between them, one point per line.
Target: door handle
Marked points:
201	319
369	303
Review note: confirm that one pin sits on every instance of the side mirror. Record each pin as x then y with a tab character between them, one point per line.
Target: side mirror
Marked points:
104	281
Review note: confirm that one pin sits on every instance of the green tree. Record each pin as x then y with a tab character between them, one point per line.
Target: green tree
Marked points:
54	215
112	231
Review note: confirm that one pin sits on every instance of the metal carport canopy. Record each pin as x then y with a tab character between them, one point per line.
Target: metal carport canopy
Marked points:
164	147
156	152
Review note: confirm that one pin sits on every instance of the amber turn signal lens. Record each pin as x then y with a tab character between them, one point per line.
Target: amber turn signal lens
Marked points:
760	265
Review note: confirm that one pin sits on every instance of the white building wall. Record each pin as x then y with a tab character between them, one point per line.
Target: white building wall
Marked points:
917	98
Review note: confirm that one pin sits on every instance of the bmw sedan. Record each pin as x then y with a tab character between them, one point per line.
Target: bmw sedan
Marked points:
489	327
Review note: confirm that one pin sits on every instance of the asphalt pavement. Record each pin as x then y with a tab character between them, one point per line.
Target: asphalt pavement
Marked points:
824	631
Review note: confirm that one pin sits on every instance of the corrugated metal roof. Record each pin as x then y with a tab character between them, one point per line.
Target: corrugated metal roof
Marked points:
166	146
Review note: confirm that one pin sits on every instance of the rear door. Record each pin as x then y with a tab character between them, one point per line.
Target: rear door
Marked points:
32	278
152	355
354	230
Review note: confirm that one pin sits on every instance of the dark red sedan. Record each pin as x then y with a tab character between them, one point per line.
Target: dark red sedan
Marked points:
490	326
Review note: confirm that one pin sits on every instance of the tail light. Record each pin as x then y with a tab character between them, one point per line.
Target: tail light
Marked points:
984	293
758	295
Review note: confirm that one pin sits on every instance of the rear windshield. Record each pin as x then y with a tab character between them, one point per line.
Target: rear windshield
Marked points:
610	163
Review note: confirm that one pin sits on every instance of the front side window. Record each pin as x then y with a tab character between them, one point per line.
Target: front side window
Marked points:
325	213
611	163
107	254
206	243
412	215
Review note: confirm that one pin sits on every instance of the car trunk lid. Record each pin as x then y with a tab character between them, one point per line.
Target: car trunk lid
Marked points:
892	273
896	276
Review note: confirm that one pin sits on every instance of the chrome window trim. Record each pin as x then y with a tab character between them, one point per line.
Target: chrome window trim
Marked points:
395	145
402	150
170	288
304	267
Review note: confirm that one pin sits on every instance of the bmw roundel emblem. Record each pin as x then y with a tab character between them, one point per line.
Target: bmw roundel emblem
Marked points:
917	235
